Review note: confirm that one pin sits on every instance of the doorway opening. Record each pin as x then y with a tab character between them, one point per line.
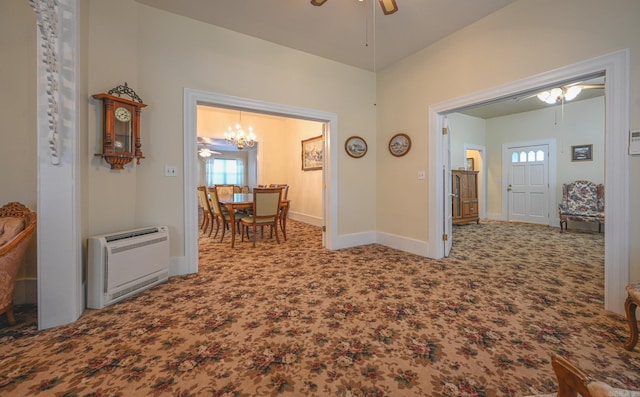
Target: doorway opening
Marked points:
274	157
615	67
194	98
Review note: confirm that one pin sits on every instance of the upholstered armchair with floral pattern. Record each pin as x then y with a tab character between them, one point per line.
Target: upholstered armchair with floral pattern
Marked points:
17	226
582	201
573	382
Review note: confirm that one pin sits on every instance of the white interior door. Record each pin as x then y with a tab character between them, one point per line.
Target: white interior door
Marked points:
528	183
446	180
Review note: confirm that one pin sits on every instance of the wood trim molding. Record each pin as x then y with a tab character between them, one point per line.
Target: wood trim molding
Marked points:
47	20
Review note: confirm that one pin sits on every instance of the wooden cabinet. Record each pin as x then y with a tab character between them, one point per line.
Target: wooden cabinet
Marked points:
464	186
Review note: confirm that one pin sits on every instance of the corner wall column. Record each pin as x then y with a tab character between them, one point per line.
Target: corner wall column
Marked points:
60	292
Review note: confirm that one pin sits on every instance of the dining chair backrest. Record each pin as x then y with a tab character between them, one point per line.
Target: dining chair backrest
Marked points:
203	198
224	190
215	202
285	190
246	189
237	189
266	202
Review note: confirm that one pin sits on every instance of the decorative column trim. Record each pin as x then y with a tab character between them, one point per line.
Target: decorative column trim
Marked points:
47	19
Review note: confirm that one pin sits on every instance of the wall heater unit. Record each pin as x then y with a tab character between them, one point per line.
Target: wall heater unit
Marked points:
125	263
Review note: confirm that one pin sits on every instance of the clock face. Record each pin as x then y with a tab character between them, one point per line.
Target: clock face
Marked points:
123	114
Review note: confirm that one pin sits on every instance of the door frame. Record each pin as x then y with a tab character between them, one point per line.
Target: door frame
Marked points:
482	176
552	170
615	66
191	99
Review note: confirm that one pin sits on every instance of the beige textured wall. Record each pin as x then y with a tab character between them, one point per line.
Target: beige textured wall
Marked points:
18	179
112	61
521	40
160	54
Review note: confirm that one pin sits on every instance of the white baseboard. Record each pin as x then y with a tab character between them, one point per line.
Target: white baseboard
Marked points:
178	266
311	220
26	291
412	246
354	240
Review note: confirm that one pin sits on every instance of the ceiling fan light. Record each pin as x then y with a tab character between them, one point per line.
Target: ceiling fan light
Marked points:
544	95
550	97
205	153
388	6
572	92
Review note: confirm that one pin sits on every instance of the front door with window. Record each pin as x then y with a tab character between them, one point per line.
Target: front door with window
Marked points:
528	183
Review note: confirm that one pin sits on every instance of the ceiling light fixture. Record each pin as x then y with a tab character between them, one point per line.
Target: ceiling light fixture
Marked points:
238	137
205	153
559	93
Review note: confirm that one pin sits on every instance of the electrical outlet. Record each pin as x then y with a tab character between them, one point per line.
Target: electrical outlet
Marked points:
170	170
421	175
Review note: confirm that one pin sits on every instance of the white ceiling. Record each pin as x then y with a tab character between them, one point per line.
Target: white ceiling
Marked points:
342	30
339	29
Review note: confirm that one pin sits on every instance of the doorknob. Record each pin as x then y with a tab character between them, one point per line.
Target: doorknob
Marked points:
509	188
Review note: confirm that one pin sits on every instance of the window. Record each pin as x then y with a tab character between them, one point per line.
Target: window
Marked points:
225	172
523	157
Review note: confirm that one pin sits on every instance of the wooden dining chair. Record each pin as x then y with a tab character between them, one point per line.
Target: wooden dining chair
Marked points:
284	208
221	214
224	190
266	210
207	212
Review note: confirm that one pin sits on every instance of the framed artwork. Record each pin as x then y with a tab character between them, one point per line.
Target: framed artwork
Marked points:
582	153
470	165
355	147
312	153
399	145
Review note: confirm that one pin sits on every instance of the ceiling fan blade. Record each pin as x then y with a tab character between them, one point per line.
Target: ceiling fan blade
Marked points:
318	2
590	86
388	6
522	98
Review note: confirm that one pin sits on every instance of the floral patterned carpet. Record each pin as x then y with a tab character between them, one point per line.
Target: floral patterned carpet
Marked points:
295	319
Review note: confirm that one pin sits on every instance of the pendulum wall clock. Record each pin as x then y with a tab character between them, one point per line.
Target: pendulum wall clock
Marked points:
121	127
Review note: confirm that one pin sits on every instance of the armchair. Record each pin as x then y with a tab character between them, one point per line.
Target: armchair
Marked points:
582	201
573	382
17	224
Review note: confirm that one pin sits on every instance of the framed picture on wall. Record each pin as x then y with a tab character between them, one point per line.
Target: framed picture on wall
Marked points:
355	146
582	153
399	145
470	166
312	153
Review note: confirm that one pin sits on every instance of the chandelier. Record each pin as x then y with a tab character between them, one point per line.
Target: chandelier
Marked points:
238	137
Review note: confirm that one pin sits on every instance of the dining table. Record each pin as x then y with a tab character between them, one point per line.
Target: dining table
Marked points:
241	201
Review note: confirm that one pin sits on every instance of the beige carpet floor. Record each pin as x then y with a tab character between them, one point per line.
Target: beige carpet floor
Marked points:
298	320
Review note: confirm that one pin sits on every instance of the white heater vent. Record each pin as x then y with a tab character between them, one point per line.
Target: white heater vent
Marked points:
125	263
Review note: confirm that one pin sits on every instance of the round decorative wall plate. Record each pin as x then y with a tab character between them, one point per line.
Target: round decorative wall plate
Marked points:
355	147
399	145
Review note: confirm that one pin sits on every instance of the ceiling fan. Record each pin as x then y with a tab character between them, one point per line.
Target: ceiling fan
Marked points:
388	6
562	93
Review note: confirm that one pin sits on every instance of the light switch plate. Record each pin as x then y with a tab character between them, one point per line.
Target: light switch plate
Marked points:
421	175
